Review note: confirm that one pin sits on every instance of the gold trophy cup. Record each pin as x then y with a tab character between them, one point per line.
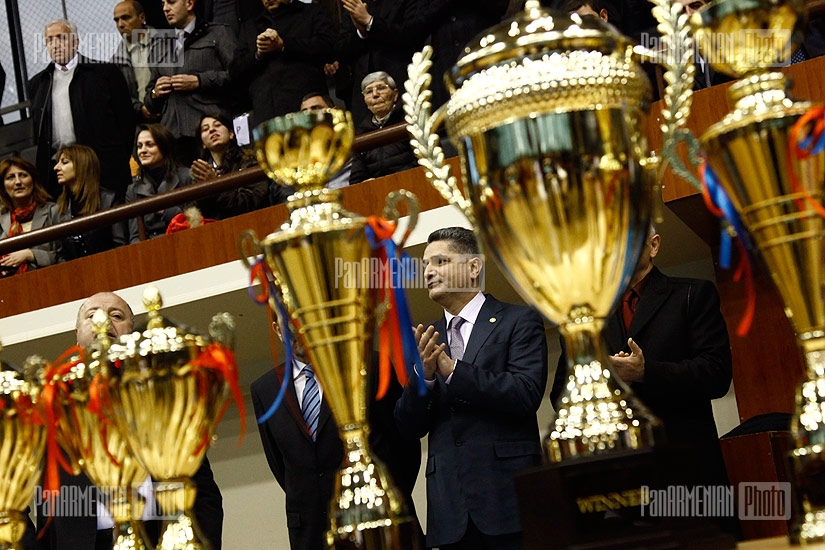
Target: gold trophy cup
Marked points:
168	388
91	440
333	320
547	112
23	443
775	194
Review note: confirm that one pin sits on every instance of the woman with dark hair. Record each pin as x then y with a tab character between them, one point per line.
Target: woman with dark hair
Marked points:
222	155
159	172
24	205
78	173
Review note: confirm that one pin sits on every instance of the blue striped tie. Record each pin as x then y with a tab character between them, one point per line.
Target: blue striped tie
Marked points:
311	402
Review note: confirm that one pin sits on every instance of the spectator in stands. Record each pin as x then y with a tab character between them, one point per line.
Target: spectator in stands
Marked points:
24	206
314	102
381	96
222	155
132	55
281	56
78	101
159	172
78	173
182	89
452	24
383	37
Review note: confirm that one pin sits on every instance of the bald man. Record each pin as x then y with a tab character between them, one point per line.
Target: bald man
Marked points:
81	532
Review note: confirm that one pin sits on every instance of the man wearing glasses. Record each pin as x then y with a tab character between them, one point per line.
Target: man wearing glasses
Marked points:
381	97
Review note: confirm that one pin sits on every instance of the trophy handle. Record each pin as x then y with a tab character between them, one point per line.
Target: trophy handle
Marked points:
249	245
422	128
391	211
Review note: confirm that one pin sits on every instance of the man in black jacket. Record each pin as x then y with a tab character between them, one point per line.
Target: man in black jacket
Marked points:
76	100
281	55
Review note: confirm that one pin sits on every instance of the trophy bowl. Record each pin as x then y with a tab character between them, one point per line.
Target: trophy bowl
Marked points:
23	444
333	320
743	37
168	388
547	112
92	441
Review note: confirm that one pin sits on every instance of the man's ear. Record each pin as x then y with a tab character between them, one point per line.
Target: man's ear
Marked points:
655	243
475	268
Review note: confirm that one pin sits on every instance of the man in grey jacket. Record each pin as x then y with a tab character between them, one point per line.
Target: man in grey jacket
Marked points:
190	74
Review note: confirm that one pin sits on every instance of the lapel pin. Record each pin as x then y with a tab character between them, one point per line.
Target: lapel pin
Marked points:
492	319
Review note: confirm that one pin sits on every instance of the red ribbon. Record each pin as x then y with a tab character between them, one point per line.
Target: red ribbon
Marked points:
221	359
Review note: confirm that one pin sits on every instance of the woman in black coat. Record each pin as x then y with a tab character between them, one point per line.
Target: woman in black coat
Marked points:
78	174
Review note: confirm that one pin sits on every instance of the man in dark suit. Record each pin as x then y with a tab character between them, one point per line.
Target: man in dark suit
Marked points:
670	343
305	469
93	530
486	381
78	100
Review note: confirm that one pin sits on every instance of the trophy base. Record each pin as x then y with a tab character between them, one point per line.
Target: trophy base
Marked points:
130	535
400	534
620	500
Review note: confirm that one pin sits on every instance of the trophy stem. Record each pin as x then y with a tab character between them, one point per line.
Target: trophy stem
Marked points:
12	527
808	456
180	530
367	512
596	411
128	532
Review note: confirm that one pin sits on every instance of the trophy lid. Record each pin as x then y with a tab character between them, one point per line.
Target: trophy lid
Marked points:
158	335
542	61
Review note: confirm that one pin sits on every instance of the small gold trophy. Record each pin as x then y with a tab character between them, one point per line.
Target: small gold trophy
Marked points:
23	443
168	388
777	193
547	112
334	320
92	441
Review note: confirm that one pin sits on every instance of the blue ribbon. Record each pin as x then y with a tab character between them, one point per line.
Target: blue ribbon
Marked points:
805	143
283	316
723	202
405	271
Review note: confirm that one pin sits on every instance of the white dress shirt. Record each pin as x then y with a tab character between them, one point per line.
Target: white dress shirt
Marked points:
62	122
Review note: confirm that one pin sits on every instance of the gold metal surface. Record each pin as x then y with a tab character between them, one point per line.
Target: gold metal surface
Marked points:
334	321
547	112
22	447
749	150
167	406
93	442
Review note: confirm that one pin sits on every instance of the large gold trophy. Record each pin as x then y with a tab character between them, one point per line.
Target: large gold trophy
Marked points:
334	320
168	388
23	443
90	438
756	153
547	112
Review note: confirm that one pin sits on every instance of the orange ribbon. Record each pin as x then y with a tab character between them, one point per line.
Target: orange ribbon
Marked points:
221	359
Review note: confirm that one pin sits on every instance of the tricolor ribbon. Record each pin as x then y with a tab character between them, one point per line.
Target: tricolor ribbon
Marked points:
720	205
396	339
802	149
260	273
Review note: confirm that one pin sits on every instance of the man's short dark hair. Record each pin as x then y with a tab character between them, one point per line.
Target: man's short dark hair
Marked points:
326	98
569	6
138	8
462	241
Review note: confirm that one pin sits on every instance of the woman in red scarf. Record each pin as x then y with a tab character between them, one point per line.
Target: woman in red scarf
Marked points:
24	206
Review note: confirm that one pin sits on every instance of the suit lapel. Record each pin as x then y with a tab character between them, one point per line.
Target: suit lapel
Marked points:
653	297
488	319
291	397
